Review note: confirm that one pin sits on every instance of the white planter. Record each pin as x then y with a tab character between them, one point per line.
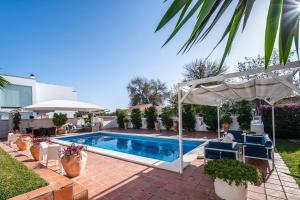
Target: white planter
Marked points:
230	192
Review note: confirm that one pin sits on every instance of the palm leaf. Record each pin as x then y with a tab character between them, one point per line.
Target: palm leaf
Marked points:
217	17
288	28
182	14
233	29
249	6
175	7
3	82
273	17
205	17
186	18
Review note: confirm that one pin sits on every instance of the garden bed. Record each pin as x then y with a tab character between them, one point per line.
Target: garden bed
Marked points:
290	152
15	178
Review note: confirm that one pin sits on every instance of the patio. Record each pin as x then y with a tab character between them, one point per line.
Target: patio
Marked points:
110	178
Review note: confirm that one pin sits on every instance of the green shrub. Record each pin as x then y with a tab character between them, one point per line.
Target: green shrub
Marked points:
243	109
136	118
210	117
59	119
16	120
151	115
226	119
166	117
287	120
121	114
188	118
233	171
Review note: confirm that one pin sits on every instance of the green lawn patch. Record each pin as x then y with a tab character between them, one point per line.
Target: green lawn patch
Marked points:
15	178
290	152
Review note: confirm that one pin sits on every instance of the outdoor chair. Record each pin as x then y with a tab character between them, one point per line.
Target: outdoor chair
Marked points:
214	150
53	154
12	138
258	147
238	135
43	151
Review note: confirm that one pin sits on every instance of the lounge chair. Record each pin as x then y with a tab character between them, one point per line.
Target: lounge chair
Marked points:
221	150
258	147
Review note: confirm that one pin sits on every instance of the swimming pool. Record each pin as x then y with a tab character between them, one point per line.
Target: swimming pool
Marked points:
158	148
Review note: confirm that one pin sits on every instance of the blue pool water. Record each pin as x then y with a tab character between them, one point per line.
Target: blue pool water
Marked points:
150	147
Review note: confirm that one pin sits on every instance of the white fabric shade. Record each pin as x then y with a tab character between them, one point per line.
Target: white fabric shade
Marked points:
64	105
268	89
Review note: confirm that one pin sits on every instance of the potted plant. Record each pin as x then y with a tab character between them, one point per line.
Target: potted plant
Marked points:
24	142
73	159
126	121
35	147
231	178
226	121
16	121
59	119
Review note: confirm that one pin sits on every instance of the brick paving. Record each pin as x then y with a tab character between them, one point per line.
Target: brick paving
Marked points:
109	178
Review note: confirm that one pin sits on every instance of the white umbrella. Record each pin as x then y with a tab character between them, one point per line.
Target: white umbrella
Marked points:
64	105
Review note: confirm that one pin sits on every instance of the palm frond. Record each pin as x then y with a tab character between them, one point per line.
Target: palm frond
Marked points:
3	82
283	16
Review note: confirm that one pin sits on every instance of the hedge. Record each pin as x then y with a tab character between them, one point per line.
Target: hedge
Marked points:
287	120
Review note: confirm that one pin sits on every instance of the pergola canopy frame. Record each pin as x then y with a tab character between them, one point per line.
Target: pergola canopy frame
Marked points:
221	80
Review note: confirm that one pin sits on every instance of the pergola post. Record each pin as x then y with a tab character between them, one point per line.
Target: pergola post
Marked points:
273	124
180	131
219	131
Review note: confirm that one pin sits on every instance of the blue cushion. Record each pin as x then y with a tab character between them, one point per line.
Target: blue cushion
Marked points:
266	141
253	139
215	154
220	145
258	151
238	135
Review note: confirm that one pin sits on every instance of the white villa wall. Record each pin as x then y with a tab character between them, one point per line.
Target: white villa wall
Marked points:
25	82
48	92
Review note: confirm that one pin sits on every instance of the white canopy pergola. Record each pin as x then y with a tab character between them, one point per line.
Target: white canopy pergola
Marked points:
64	105
215	91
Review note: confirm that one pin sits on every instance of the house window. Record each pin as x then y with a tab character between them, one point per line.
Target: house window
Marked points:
15	96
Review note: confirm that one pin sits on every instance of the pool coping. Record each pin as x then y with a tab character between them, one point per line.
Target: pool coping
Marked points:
170	166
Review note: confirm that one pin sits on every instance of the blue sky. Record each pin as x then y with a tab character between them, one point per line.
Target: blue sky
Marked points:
98	46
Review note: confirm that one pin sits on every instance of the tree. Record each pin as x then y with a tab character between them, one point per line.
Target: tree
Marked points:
16	120
59	119
283	17
202	68
188	117
151	115
136	118
243	109
210	117
143	91
121	115
166	117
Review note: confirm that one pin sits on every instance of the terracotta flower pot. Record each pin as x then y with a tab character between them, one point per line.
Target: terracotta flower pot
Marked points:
23	143
74	165
35	151
157	126
226	127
